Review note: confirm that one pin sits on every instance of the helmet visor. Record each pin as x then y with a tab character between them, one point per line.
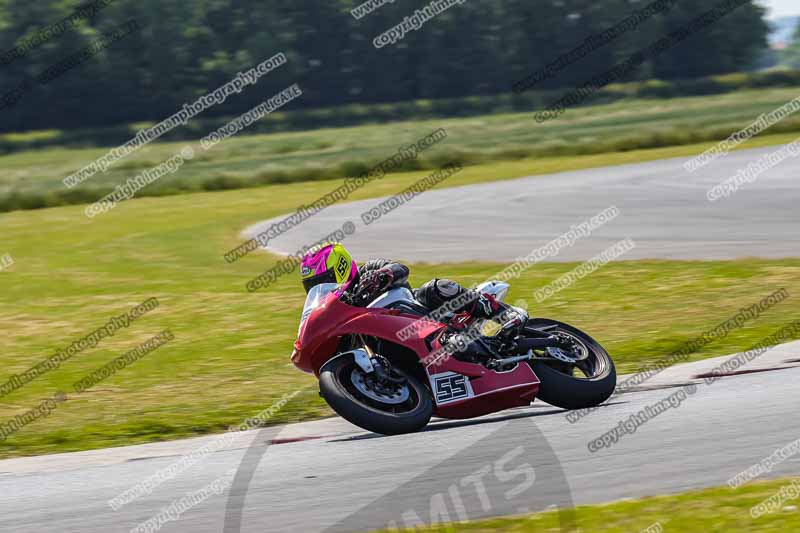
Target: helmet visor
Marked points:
326	277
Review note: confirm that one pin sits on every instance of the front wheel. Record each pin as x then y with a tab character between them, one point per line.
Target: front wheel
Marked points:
385	407
573	380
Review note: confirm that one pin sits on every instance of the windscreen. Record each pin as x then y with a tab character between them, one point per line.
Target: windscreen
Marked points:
315	297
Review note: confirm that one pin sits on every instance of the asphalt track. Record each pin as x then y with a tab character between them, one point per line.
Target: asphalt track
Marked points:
663	208
512	462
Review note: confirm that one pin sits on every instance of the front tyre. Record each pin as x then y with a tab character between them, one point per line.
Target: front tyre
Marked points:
580	385
387	408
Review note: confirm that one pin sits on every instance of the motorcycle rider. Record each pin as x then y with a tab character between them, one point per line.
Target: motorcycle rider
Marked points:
332	263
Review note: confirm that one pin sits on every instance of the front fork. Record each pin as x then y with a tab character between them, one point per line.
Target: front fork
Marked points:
370	362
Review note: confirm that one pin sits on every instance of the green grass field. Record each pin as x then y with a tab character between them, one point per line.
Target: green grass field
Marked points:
33	179
229	359
718	510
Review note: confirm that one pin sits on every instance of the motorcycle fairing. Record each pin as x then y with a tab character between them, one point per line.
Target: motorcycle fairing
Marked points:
475	390
319	334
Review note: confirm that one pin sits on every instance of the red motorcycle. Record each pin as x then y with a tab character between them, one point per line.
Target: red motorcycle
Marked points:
388	367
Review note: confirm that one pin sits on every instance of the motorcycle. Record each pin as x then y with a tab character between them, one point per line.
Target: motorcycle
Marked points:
389	367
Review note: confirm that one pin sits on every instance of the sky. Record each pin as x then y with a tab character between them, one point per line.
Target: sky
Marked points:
782	8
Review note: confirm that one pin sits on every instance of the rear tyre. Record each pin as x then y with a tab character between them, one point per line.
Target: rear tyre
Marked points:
350	392
577	386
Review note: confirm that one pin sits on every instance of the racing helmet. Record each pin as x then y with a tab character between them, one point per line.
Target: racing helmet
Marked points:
330	263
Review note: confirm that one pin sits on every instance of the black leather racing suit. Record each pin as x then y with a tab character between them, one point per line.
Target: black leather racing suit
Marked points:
379	275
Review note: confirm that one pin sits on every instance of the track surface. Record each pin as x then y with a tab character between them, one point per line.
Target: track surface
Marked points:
663	209
311	486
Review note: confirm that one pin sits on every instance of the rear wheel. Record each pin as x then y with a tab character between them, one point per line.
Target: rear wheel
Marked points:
576	378
382	406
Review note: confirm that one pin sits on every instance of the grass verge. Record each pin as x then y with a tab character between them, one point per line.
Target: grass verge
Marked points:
32	179
711	510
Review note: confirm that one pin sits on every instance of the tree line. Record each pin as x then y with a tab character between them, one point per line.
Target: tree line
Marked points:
184	48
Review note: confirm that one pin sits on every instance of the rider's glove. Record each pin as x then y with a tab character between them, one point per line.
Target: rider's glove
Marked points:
372	283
